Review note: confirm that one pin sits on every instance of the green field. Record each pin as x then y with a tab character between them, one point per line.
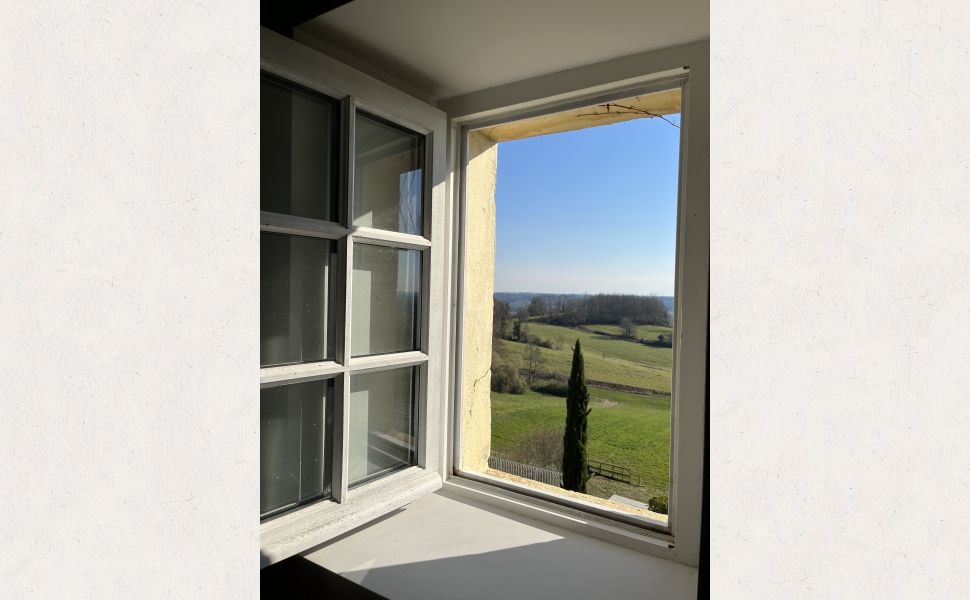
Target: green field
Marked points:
627	429
608	359
647	332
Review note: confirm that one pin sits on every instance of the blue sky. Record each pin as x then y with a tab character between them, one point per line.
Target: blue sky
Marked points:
591	211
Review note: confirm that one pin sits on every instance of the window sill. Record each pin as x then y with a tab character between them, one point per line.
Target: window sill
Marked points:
302	529
638	539
556	496
445	545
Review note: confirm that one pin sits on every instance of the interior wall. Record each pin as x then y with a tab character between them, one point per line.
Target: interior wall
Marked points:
590	79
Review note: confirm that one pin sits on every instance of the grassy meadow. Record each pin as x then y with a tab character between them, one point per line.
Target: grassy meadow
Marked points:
625	428
608	359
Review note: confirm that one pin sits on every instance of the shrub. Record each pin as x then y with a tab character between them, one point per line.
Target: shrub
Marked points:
506	379
627	328
658	504
553	388
541	449
538	341
662	341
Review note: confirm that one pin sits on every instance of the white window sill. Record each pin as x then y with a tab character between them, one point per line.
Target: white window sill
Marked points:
559	500
304	528
638	539
444	545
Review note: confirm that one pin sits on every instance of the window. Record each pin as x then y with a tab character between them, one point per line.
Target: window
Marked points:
296	433
612	294
382	423
527	348
377	270
355	294
344	283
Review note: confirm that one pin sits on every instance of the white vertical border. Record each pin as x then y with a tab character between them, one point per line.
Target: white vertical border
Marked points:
687	440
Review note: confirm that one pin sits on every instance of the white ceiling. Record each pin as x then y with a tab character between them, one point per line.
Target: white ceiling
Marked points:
445	48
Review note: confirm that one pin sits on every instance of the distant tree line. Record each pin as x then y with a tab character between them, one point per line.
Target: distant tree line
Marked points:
512	326
626	310
501	319
508	367
606	309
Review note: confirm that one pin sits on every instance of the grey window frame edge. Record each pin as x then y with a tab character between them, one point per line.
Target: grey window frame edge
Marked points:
304	527
688	67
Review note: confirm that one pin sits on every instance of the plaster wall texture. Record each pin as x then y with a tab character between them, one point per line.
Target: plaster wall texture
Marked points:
476	418
653	105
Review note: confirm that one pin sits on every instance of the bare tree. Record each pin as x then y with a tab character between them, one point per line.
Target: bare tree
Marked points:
538	307
501	312
533	359
627	327
541	449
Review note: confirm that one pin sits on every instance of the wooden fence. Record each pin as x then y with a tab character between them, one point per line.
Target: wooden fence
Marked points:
611	471
596	467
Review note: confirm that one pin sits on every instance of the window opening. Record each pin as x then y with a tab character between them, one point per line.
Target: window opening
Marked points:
585	225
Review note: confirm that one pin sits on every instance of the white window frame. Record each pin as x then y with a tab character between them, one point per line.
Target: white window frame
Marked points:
680	539
306	526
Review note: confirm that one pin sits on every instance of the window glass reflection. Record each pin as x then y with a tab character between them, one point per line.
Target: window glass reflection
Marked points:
388	177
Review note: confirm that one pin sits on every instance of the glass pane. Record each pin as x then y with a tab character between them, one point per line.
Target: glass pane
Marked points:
296	296
386	298
297	151
382	423
296	429
388	177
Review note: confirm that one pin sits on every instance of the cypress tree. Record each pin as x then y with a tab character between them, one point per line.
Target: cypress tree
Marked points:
575	471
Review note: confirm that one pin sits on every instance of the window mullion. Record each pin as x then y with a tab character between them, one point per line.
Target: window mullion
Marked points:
340	445
345	256
346	191
425	307
424	445
346	250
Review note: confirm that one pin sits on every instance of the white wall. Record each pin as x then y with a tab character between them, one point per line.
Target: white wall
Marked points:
129	302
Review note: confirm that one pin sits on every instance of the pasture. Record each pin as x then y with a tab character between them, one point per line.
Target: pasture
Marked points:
625	428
